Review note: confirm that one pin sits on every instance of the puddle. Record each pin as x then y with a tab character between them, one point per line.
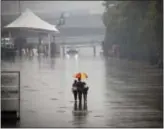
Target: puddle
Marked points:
78	123
26	86
32	90
61	111
98	116
77	111
62	107
54	99
71	101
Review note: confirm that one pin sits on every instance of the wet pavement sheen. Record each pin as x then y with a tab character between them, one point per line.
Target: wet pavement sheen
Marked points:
122	93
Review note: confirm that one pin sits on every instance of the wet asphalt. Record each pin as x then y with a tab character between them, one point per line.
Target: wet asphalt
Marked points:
122	93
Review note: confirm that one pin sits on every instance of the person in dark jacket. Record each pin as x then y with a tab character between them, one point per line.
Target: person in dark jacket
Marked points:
80	87
74	89
85	91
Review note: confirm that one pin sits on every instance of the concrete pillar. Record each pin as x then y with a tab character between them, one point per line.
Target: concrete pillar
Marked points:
39	39
94	50
49	44
53	47
39	43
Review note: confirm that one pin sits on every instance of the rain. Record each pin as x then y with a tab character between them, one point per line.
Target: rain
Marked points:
115	47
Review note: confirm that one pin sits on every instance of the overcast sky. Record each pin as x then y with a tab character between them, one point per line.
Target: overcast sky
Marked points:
10	7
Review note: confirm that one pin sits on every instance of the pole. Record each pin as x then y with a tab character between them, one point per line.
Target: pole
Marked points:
49	44
94	50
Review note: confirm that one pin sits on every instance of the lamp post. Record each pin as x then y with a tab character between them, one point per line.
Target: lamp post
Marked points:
61	22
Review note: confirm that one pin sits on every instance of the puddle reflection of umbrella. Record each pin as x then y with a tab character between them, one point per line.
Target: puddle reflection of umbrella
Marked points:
81	75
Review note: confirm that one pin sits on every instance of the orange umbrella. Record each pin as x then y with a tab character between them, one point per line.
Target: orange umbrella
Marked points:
81	75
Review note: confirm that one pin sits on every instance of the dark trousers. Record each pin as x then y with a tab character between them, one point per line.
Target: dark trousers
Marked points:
75	95
85	92
80	95
85	96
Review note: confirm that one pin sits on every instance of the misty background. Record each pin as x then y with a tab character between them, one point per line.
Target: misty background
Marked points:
82	20
125	84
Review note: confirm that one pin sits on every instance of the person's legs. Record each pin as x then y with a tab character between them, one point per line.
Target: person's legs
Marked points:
85	97
75	106
75	95
80	95
85	94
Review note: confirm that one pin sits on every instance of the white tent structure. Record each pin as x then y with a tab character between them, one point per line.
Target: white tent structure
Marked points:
29	20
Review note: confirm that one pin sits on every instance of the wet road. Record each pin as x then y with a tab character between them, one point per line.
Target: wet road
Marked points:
121	94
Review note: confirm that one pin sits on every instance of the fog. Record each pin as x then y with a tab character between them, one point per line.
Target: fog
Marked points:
116	46
12	7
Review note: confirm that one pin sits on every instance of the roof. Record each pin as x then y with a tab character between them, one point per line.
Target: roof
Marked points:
31	21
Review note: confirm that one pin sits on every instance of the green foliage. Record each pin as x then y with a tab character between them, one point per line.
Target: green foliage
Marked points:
135	26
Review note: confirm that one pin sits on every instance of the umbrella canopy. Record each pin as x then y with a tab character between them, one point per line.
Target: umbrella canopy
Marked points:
29	20
81	75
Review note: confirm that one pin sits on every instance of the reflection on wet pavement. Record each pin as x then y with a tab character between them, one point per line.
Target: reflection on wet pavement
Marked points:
80	114
54	99
122	93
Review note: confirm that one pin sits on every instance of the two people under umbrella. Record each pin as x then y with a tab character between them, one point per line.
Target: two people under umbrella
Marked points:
79	89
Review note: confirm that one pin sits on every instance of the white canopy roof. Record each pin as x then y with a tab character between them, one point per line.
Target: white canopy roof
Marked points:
29	20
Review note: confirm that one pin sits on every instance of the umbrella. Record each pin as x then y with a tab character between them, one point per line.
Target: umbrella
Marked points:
81	75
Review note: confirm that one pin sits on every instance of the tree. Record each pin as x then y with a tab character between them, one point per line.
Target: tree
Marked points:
135	26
